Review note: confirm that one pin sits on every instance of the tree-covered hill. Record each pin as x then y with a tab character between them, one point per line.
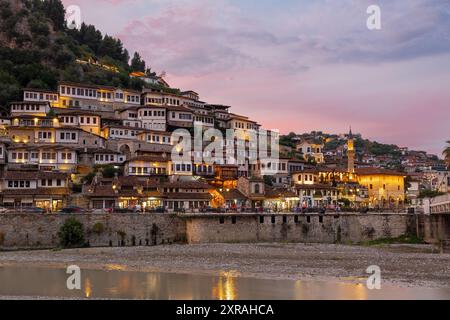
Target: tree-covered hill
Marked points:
37	50
332	142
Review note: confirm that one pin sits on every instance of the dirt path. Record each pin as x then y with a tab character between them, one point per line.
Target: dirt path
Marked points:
405	265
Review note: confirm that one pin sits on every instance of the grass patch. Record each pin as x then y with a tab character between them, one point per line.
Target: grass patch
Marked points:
405	239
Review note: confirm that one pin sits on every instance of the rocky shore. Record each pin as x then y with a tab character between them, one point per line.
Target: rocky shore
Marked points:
402	265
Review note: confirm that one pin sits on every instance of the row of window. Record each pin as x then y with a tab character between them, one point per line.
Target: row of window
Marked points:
117	132
149	113
21	184
44	135
182	167
204	120
32	123
41	96
27	107
68	136
147	170
242	125
104	157
164	100
203	169
44	155
89	120
157	139
72	103
183	116
321	193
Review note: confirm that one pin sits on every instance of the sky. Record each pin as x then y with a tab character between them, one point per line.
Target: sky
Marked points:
300	65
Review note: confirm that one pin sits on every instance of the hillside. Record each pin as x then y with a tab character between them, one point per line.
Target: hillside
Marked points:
332	142
37	50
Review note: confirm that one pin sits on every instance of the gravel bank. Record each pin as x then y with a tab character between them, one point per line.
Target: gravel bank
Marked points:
404	265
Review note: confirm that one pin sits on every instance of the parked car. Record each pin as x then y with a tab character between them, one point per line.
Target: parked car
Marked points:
35	210
158	210
125	210
3	210
72	210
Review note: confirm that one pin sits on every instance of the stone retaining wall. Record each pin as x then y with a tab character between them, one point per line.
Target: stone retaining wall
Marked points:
41	231
23	231
343	228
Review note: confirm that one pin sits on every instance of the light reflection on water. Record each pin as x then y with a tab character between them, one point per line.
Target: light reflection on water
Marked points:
47	282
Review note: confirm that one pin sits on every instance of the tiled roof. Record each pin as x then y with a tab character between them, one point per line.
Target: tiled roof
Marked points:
179	108
233	194
275	193
33	175
97	150
150	158
375	171
83	85
31	102
188	196
186	185
36	192
41	147
107	191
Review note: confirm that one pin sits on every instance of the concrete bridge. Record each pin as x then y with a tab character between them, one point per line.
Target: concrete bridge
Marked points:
437	205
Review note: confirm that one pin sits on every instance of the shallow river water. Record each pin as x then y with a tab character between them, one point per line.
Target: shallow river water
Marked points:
50	282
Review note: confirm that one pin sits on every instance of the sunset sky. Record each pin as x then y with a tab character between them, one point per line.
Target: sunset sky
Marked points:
298	65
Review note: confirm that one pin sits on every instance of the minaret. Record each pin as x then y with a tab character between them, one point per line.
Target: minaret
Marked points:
351	152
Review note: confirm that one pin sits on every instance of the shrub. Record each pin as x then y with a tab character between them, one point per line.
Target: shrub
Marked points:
2	238
121	234
71	234
98	228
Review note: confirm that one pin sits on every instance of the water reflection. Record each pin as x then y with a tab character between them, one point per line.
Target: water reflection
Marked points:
20	281
225	289
87	288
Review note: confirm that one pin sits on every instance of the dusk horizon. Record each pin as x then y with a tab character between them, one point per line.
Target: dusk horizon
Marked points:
316	64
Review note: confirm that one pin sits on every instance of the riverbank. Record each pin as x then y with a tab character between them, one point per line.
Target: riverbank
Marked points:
401	265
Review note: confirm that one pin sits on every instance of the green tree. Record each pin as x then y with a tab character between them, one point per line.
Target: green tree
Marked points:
137	64
54	10
71	234
446	153
109	171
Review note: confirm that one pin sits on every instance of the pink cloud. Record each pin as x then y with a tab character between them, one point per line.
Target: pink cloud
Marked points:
303	67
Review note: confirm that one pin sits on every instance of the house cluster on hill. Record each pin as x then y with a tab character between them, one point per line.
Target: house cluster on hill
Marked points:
425	174
102	147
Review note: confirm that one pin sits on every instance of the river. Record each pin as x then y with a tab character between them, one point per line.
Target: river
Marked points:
17	281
